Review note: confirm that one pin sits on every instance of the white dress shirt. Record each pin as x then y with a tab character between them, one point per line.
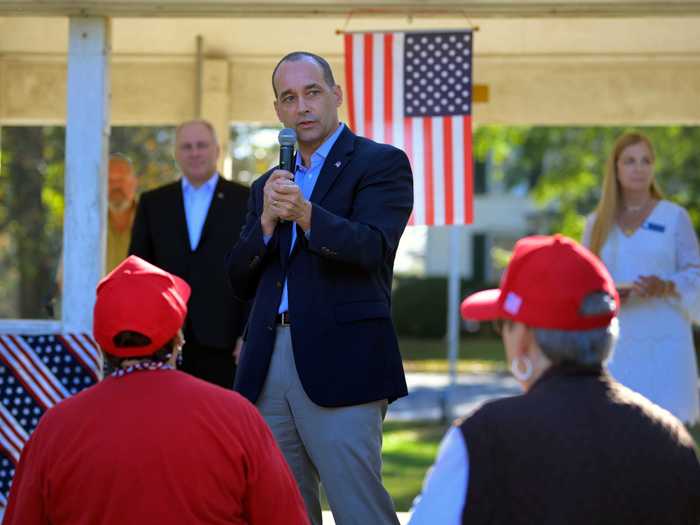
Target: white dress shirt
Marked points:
445	487
197	202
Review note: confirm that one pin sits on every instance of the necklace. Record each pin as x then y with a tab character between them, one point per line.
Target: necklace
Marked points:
628	227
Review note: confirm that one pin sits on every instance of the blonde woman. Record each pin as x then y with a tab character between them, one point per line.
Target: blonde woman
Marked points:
651	251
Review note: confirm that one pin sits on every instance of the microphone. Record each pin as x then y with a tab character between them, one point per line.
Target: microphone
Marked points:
287	139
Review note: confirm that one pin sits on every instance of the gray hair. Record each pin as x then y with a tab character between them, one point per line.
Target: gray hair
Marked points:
201	122
588	348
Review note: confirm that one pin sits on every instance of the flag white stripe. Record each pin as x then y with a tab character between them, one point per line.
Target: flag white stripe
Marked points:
378	87
11	449
458	154
358	85
19	431
9	442
88	359
24	375
418	172
438	171
397	91
12	434
90	346
46	376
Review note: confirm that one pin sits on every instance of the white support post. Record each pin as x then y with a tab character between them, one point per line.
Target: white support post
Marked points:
453	301
87	142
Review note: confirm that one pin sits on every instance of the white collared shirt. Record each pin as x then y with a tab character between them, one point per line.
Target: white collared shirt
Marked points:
197	202
445	487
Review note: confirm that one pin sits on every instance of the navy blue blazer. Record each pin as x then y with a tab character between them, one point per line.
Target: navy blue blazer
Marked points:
339	279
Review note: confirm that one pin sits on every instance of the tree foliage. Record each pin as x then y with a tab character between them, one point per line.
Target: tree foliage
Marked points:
563	167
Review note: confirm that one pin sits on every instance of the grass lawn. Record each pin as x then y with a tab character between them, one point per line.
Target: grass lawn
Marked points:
409	450
476	354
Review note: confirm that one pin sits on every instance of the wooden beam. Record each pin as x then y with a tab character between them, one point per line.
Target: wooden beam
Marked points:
355	8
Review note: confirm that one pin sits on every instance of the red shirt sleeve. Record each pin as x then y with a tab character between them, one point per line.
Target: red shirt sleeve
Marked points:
272	495
26	504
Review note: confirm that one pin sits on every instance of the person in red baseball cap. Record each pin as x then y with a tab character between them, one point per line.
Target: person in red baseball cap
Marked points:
150	444
577	447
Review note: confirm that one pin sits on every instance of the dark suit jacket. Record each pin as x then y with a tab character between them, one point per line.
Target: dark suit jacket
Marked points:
339	280
159	235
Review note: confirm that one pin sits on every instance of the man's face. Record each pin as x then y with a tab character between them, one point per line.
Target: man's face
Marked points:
196	152
306	103
122	184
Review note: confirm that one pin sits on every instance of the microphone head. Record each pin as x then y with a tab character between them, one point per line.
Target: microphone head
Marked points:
287	137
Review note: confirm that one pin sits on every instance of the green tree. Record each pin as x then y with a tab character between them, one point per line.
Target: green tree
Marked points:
563	167
30	224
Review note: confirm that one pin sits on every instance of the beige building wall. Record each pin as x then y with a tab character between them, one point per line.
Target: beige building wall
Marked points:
579	70
553	92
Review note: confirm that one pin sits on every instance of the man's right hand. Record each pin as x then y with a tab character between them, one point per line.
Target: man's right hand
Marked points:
271	197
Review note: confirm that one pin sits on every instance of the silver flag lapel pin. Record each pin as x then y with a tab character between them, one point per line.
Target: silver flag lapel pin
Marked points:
220	195
337	164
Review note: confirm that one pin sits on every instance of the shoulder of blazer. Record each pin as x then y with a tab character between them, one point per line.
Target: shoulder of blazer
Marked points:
364	145
233	188
167	191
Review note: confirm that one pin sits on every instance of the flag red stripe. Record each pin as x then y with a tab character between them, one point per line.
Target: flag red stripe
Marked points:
448	172
428	170
49	389
349	79
468	172
368	79
388	87
11	435
18	376
8	429
12	449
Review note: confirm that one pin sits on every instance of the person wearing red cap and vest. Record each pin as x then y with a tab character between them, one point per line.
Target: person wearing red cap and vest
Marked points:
150	444
578	447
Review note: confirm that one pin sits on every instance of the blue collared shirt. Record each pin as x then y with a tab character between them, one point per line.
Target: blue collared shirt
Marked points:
197	202
306	179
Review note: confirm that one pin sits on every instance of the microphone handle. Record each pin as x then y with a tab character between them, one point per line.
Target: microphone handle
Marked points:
287	158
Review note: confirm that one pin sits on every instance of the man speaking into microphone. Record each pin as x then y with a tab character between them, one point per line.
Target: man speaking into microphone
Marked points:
321	358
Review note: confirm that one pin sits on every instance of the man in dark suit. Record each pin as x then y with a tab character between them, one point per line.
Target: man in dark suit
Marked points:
321	359
186	228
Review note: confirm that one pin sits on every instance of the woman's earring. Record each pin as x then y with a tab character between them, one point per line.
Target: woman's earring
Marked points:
521	368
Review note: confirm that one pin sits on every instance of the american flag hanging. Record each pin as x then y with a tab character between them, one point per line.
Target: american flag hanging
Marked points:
413	90
36	372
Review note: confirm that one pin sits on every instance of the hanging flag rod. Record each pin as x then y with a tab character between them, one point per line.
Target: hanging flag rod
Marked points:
386	31
409	14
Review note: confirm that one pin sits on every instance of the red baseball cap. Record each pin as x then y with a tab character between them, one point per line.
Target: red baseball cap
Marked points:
544	285
139	297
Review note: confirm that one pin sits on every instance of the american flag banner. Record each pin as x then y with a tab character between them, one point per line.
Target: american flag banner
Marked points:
414	90
36	372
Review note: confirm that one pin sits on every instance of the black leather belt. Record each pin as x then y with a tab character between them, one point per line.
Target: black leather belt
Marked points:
283	319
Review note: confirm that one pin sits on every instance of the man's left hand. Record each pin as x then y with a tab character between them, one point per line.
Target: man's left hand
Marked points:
292	206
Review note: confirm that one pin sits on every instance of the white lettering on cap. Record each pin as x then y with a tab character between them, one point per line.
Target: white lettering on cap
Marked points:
512	303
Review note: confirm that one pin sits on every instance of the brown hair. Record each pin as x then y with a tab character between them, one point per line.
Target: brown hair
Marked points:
610	200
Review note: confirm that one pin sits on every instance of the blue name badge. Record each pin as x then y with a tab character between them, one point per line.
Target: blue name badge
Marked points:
654	227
